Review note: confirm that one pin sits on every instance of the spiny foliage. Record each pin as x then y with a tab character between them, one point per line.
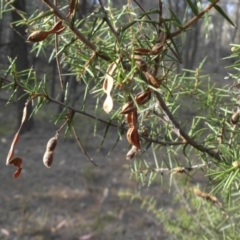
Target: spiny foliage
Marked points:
128	60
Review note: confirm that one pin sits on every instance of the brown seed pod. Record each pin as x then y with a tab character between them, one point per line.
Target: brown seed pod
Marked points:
152	80
128	108
235	118
38	36
133	137
48	158
51	145
17	161
140	63
58	26
17	173
131	119
157	48
143	98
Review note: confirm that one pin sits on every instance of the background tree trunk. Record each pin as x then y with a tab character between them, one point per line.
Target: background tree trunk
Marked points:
19	50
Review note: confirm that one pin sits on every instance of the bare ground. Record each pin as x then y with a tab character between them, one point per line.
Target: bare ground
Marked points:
73	199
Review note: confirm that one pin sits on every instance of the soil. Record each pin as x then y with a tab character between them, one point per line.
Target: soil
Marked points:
73	199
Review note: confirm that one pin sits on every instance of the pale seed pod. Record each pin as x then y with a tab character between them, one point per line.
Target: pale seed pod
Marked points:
132	153
48	158
51	145
236	164
235	118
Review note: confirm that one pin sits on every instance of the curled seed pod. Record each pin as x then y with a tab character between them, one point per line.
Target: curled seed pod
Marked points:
48	158
140	63
132	153
38	36
142	51
157	48
128	108
17	161
143	98
17	173
58	26
51	145
152	80
235	118
133	137
131	119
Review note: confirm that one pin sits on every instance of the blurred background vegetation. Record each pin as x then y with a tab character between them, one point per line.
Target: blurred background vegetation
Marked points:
197	178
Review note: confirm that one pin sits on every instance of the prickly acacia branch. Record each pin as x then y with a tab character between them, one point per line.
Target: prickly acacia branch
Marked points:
194	19
176	169
77	33
61	103
188	139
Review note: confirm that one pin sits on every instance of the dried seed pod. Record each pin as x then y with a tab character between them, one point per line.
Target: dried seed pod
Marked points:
132	153
128	108
48	158
38	36
143	98
108	104
142	51
134	118
131	119
52	143
17	161
157	48
72	6
17	173
235	118
140	63
152	80
207	196
133	137
57	27
236	164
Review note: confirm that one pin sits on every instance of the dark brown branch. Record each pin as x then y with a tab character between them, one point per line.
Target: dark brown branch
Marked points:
57	56
77	33
194	19
188	139
115	33
81	147
63	104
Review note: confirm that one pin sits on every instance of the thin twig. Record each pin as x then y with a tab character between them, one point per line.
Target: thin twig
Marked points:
63	104
140	6
81	147
189	140
115	33
164	143
57	56
203	227
165	120
181	169
77	33
194	19
175	170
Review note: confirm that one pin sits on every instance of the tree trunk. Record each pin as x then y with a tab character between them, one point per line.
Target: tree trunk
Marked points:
19	50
